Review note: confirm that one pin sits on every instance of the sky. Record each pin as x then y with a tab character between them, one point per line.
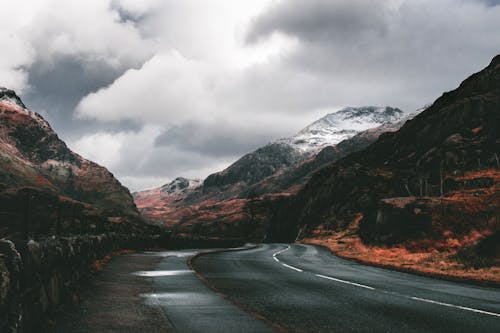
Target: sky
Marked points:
156	89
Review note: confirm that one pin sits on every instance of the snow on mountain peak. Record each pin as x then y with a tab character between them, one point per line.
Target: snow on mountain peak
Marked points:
341	125
180	185
10	96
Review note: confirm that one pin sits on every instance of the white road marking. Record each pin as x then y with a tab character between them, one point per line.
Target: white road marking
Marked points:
456	306
291	267
384	291
344	281
282	263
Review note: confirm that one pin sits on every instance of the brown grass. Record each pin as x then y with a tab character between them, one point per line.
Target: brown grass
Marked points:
434	263
473	216
98	265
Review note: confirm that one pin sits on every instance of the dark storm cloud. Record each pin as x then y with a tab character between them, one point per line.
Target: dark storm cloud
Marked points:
380	52
56	89
491	2
322	20
207	140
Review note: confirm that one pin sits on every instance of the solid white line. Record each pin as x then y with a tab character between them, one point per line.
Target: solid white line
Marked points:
276	259
344	281
456	306
291	267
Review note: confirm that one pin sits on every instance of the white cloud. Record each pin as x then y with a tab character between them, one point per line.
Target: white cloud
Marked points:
210	31
115	149
16	52
167	89
92	32
89	30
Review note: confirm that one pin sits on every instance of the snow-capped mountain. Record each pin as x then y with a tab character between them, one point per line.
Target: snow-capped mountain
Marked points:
180	185
327	131
341	125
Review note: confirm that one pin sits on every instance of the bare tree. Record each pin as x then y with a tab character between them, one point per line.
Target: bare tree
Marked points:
408	189
421	185
441	179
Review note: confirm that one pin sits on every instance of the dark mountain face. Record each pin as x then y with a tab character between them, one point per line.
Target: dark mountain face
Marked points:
255	166
288	152
33	156
292	178
458	133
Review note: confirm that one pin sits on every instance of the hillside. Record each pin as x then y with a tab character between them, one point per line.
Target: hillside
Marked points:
427	195
38	169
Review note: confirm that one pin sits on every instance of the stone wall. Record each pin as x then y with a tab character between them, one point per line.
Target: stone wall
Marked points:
37	276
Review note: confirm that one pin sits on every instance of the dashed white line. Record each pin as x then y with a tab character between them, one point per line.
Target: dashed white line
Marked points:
344	281
384	291
456	306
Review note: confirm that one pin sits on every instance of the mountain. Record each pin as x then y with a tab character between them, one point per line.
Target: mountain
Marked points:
160	202
277	169
426	196
283	153
290	179
341	125
180	186
34	159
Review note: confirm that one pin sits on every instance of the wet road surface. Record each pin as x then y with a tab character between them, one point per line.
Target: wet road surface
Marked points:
273	288
304	288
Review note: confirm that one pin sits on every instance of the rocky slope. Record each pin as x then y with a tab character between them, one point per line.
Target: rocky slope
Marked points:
426	197
34	162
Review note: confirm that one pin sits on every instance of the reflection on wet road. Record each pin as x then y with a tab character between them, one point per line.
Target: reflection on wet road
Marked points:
189	305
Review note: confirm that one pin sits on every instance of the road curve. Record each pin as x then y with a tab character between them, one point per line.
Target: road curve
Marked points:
303	288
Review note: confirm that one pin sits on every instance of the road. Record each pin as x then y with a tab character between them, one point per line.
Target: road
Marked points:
303	288
272	288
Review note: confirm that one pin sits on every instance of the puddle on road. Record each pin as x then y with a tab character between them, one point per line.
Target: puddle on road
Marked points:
178	298
164	254
161	273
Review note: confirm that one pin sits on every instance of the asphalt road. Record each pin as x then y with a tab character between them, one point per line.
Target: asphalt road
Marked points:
303	288
271	288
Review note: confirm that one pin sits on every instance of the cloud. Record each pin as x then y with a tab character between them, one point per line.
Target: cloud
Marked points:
17	53
167	89
322	20
57	51
403	53
136	8
156	89
135	159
